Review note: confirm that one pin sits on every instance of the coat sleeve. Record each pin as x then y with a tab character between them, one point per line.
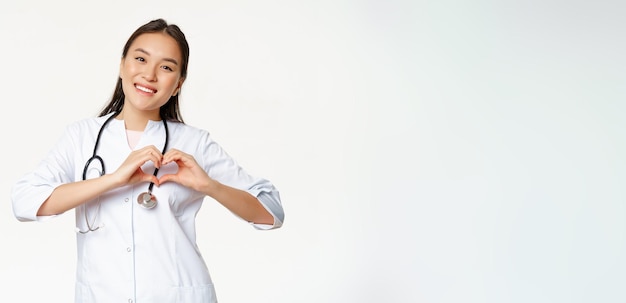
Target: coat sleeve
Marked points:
32	189
224	169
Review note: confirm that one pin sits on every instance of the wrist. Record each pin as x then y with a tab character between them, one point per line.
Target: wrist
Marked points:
111	182
211	188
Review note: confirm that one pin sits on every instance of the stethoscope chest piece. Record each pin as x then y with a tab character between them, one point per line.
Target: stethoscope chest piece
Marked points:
147	200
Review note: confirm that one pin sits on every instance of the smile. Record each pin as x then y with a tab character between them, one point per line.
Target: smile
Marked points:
145	89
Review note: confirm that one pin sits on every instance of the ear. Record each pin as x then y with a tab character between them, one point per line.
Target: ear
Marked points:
180	84
121	67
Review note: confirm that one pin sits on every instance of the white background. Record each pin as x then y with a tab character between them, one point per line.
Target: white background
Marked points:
426	151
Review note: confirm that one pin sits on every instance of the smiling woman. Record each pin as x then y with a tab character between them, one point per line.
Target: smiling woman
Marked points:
153	56
141	130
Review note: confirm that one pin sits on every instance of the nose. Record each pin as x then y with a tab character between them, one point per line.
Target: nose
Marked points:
149	73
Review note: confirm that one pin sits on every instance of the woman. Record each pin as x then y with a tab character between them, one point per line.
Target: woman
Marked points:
136	177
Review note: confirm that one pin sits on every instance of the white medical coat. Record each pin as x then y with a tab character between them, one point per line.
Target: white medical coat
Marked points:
138	255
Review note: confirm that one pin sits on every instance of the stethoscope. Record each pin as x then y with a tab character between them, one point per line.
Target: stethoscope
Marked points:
146	199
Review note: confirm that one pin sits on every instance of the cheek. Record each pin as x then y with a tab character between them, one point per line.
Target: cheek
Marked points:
171	84
127	74
123	72
127	70
127	80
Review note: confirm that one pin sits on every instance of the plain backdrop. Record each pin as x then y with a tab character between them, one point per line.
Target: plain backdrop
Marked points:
425	151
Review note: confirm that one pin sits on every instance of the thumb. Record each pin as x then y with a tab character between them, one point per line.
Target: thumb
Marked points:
167	178
153	179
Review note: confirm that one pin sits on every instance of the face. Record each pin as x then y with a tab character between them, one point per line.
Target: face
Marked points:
150	72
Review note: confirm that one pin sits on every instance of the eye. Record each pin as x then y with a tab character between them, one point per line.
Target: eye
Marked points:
167	68
140	59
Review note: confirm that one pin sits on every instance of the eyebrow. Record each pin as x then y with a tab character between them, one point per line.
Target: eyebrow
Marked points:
139	49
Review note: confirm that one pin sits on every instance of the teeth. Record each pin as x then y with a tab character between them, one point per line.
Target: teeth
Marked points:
144	89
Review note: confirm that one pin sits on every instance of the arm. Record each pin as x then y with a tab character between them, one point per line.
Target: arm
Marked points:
69	195
238	201
57	168
53	188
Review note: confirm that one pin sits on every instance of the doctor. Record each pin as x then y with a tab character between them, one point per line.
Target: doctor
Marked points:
136	176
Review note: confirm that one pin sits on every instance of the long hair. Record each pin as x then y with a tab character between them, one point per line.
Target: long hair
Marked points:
170	111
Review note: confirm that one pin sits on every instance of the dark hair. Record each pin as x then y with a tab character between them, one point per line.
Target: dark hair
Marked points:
169	111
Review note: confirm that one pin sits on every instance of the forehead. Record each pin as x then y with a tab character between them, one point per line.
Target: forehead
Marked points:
157	45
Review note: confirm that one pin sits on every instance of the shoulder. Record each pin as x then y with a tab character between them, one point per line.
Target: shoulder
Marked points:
191	139
187	131
85	124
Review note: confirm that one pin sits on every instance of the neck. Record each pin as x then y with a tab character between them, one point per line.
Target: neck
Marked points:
137	120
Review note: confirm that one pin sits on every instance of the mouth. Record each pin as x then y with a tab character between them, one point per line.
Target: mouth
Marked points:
145	89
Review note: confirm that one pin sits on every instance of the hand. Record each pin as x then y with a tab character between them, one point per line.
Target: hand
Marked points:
189	173
130	171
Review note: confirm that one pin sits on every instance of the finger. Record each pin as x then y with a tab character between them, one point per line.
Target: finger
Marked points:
149	148
172	150
142	176
154	156
172	156
168	178
153	179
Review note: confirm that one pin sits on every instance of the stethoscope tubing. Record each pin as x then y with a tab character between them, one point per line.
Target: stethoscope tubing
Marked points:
145	199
